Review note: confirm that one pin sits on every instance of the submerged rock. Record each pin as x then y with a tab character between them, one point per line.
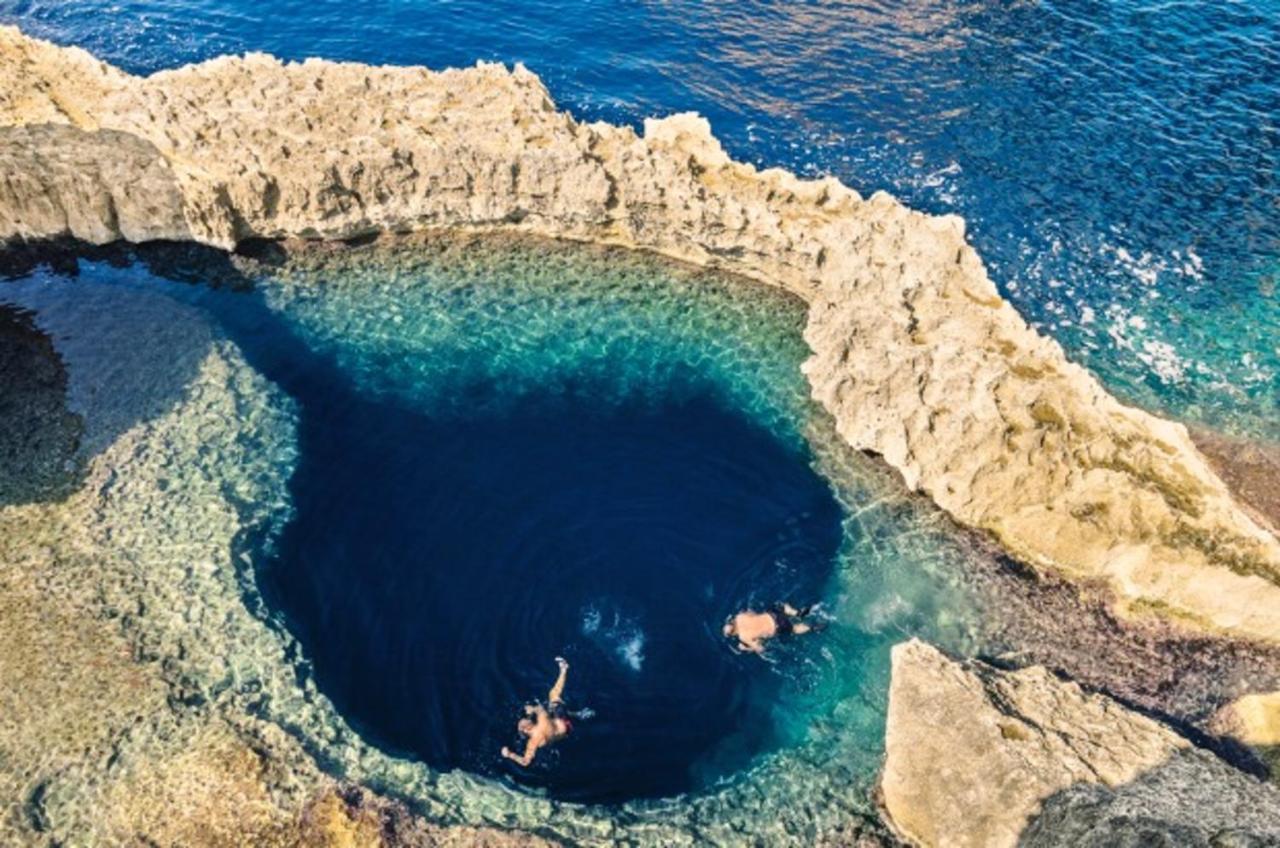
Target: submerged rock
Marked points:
983	757
916	355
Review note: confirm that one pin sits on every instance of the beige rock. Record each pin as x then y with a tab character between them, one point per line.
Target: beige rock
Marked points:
972	752
981	757
1257	718
96	187
916	355
1254	721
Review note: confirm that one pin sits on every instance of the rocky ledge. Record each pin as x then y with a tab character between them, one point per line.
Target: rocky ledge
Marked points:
982	757
915	353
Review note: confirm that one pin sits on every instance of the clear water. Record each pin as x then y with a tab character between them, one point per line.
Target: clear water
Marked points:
1116	162
504	452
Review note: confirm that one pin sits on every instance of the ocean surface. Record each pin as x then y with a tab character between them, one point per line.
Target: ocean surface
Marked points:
1116	161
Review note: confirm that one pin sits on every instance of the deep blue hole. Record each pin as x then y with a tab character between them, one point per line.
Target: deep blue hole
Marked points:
435	568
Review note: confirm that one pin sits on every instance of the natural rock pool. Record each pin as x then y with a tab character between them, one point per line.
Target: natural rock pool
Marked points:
289	534
451	460
434	568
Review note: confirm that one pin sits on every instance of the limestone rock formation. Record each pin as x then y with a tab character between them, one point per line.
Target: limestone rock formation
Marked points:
981	757
916	355
96	187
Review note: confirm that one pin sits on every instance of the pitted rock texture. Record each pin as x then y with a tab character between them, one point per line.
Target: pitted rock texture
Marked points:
981	757
1191	801
916	355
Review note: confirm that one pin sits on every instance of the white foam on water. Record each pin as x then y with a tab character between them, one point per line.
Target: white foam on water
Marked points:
621	636
632	651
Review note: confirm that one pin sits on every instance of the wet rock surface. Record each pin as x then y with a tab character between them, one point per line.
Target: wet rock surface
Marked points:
1251	469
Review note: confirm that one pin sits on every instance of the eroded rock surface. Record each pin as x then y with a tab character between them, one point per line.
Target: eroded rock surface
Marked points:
981	757
1191	801
97	186
915	353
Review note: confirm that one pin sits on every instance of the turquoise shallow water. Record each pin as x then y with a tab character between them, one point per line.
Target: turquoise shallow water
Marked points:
1116	162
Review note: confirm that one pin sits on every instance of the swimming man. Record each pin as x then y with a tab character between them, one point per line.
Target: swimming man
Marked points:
543	725
753	629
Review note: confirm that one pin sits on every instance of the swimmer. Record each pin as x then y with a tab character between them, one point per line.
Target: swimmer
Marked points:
543	725
753	629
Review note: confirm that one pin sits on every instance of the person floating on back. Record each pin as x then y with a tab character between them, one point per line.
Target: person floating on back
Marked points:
753	629
543	725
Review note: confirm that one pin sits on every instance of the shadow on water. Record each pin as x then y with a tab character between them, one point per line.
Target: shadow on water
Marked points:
435	566
126	357
38	434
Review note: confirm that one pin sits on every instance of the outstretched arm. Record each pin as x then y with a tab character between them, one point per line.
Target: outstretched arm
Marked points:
530	749
557	689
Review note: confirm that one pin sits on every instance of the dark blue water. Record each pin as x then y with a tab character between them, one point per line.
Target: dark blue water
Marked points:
434	569
1116	161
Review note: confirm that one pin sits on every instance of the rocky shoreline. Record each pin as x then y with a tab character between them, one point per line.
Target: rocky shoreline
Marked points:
915	355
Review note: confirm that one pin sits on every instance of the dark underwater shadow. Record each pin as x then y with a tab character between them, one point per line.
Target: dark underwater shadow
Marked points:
124	357
39	436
